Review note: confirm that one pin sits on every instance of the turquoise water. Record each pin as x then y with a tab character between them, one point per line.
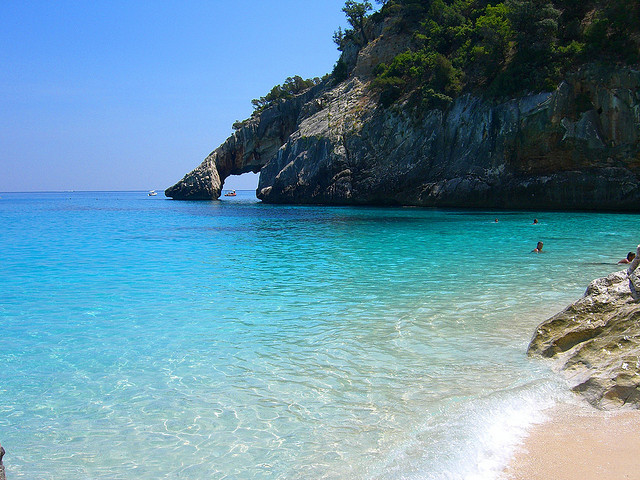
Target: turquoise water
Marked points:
144	337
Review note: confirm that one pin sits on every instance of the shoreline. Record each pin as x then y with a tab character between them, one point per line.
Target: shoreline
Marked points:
579	442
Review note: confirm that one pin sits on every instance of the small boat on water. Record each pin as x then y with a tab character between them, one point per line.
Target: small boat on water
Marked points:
230	193
152	193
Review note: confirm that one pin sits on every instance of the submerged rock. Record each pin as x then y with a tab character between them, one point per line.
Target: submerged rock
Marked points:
595	342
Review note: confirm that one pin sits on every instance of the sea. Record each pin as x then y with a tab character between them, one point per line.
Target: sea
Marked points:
145	338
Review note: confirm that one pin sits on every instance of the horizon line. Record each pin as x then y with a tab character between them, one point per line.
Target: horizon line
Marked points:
106	191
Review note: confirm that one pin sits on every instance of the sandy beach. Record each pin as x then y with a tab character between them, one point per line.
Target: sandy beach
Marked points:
580	443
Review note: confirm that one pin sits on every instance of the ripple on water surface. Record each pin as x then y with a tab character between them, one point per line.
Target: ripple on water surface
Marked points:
145	337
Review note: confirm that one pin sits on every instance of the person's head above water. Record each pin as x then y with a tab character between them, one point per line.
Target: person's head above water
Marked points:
538	248
629	258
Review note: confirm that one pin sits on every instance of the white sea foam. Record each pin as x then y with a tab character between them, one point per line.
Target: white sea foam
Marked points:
499	427
472	439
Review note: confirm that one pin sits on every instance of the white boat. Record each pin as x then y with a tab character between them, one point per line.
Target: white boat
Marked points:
152	193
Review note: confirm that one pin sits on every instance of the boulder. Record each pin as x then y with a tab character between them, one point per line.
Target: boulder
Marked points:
595	342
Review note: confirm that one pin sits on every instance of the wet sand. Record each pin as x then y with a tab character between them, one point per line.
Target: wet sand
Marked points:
580	443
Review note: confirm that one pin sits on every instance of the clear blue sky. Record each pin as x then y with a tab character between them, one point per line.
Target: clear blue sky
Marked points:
128	95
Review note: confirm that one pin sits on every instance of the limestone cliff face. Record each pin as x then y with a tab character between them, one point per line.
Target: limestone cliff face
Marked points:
595	342
577	147
247	150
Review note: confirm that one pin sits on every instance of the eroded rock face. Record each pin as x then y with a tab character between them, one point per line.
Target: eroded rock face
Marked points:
577	147
595	342
247	150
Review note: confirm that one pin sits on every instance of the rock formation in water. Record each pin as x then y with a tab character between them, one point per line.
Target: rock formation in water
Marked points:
595	342
338	146
247	150
577	147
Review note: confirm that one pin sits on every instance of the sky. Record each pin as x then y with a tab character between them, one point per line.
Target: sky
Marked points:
132	95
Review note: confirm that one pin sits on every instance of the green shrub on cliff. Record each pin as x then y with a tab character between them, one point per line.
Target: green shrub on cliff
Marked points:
340	71
356	13
614	30
292	86
390	89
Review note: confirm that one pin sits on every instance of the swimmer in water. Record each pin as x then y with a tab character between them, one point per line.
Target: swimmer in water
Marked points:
629	259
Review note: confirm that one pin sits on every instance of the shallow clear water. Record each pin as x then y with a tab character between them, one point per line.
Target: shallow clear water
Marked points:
144	337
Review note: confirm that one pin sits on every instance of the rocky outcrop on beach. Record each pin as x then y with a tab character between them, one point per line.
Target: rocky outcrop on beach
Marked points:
595	342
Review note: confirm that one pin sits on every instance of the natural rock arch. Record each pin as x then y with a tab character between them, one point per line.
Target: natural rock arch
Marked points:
248	150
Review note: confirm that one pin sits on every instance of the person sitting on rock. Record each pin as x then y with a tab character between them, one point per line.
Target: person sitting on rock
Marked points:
629	259
635	262
538	248
634	279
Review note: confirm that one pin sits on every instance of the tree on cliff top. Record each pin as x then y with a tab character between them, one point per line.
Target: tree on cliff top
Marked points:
291	86
356	13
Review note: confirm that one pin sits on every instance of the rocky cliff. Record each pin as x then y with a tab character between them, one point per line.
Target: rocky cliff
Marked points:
595	342
576	147
247	150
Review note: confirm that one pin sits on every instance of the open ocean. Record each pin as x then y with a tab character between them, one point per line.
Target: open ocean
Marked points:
145	338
